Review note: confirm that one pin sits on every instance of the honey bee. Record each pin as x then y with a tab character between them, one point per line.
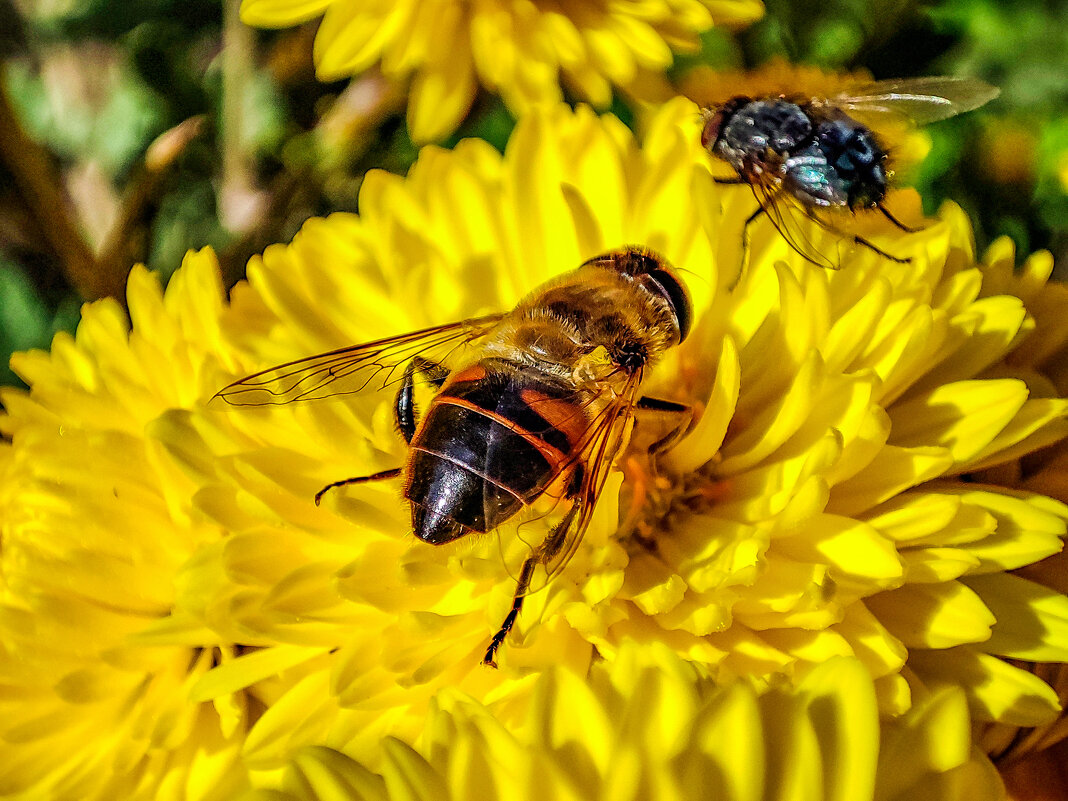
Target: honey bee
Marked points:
538	401
802	156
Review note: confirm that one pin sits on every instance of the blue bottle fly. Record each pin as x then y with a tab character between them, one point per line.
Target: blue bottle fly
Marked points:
805	156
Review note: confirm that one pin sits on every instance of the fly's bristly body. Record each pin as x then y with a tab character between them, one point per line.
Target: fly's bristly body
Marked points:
803	156
538	401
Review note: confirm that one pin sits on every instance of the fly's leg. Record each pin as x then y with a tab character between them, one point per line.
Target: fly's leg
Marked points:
544	553
405	414
745	244
906	228
735	181
859	240
879	251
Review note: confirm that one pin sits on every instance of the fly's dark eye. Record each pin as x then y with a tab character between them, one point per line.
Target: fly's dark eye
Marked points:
713	125
667	286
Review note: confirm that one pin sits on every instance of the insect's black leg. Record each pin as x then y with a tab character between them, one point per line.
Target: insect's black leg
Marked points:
680	416
886	213
549	547
404	410
433	372
396	471
730	181
490	659
745	245
404	405
875	249
859	240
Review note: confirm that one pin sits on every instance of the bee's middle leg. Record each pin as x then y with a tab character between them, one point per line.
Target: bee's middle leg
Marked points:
379	476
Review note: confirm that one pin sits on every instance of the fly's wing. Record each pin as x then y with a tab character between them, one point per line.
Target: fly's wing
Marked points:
794	222
920	100
369	367
603	441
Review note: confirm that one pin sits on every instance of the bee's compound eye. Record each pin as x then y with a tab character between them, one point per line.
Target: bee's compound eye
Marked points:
655	275
667	285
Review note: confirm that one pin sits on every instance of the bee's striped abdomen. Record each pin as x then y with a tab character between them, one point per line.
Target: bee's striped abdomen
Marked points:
486	448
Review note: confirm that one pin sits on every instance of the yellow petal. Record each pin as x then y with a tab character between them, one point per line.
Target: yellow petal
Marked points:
964	416
1032	620
850	549
280	13
933	615
842	709
893	470
932	737
996	690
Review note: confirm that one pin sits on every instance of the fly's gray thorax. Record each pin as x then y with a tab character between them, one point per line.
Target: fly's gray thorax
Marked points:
776	126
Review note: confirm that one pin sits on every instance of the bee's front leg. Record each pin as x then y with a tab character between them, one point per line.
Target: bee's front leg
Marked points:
676	418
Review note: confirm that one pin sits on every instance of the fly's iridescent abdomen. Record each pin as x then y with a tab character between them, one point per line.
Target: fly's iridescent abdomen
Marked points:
759	133
821	159
855	159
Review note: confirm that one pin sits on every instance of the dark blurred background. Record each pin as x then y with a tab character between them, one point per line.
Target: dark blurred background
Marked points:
133	131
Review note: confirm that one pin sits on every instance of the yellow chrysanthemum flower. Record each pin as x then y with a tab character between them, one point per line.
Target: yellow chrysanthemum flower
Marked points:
650	726
178	618
520	49
95	529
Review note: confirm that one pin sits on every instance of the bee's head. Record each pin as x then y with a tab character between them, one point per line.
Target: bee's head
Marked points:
653	273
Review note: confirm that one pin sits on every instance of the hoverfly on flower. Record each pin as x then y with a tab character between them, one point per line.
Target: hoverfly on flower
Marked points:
807	157
535	402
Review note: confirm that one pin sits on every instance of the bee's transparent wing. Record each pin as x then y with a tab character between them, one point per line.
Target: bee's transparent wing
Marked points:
369	367
603	441
920	100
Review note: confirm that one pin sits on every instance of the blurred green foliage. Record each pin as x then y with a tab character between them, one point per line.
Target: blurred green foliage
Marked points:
96	82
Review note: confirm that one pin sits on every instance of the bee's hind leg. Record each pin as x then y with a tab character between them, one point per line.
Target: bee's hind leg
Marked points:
404	409
544	553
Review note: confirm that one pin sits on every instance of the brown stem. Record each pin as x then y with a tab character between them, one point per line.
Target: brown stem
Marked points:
119	248
39	184
240	202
